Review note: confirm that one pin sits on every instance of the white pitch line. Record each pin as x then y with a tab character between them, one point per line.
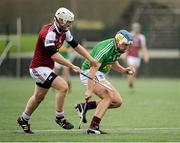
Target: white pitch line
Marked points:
177	128
80	130
91	142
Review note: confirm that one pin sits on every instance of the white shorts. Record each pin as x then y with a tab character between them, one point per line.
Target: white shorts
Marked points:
135	61
57	65
99	76
40	74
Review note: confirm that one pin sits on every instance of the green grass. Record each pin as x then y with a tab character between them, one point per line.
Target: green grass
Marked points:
28	42
152	113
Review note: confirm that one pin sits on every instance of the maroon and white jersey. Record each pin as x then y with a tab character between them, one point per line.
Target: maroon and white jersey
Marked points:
138	41
48	36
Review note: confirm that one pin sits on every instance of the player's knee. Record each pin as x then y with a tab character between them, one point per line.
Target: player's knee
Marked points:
64	89
118	103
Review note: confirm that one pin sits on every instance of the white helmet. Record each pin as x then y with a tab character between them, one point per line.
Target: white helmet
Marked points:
65	14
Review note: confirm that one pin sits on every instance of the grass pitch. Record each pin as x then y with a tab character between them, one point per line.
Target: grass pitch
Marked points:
151	113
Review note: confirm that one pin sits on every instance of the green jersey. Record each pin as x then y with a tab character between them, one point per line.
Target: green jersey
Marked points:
106	53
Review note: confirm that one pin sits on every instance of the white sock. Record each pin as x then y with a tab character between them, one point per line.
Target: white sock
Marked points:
25	116
59	114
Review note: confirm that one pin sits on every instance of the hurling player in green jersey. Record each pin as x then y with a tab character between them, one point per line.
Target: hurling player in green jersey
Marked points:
107	53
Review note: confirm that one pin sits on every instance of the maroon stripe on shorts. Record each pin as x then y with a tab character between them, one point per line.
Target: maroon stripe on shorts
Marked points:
38	75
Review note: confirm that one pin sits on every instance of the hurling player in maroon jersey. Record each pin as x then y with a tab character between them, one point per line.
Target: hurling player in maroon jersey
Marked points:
133	54
50	39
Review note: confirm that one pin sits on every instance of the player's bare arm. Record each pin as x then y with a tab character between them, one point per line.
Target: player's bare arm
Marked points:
86	55
90	87
119	68
145	50
146	54
61	60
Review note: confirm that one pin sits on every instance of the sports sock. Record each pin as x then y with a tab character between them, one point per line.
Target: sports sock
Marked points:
95	122
59	115
25	117
91	105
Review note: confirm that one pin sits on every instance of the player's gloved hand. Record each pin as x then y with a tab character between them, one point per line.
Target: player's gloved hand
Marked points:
93	62
130	70
76	69
88	94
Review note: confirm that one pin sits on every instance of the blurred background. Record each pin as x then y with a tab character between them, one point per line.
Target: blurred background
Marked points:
95	20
